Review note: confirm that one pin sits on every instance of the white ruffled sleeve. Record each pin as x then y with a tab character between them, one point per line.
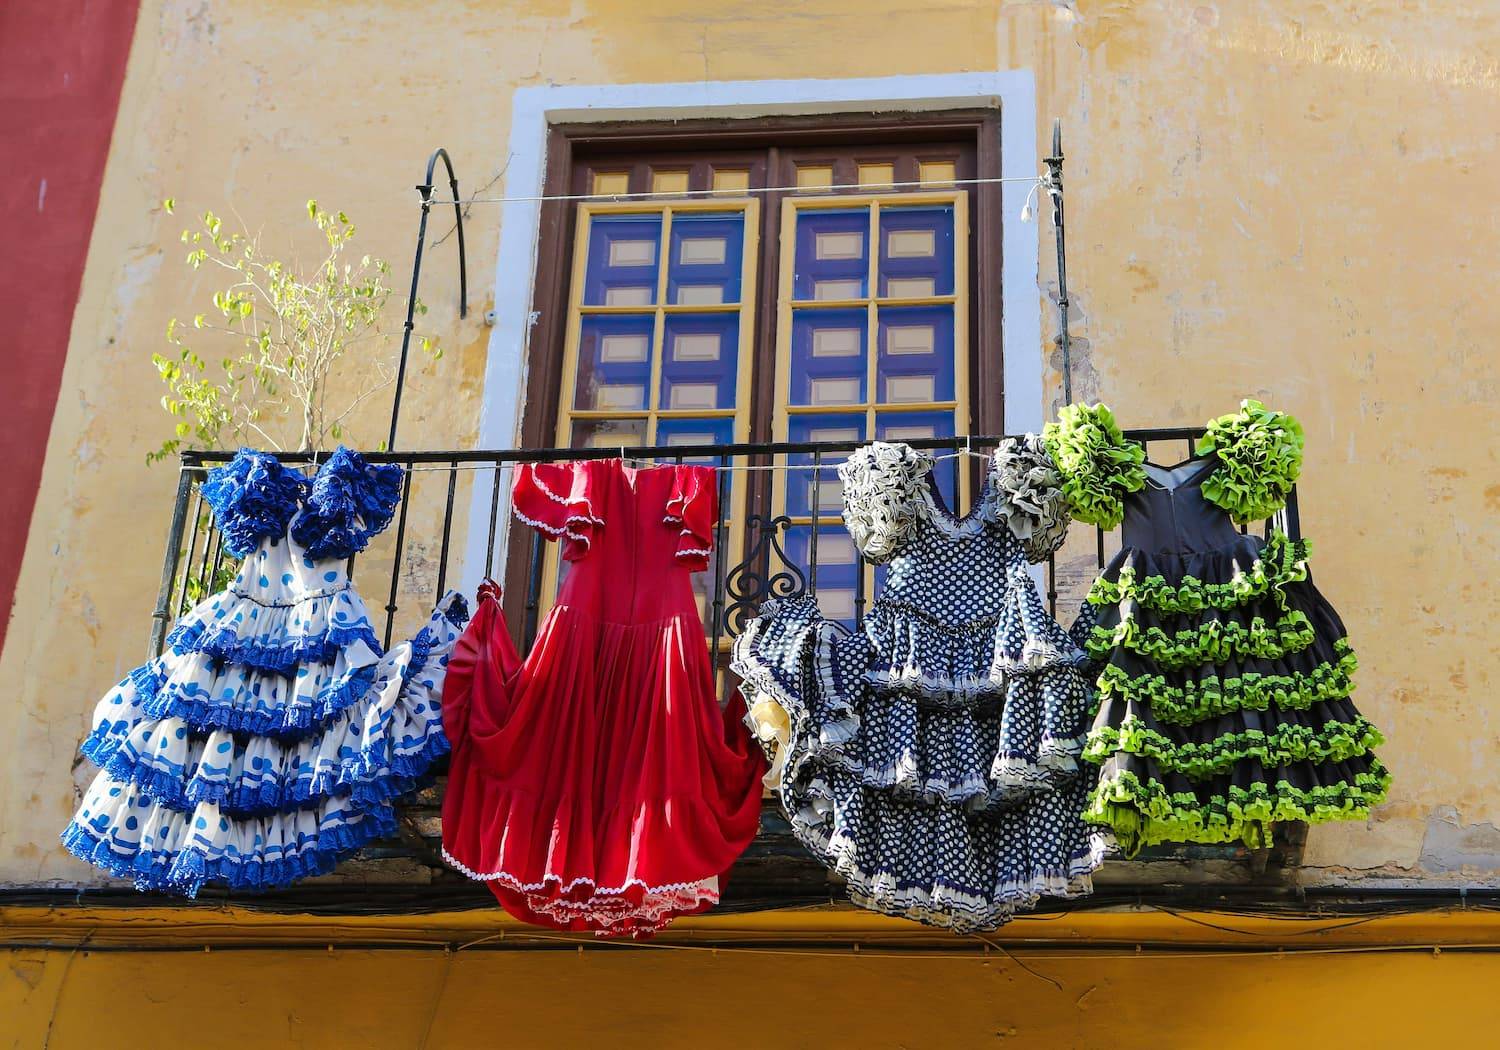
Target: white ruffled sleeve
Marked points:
883	500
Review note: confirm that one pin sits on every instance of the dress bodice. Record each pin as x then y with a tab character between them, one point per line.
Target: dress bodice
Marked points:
1170	515
969	552
631	536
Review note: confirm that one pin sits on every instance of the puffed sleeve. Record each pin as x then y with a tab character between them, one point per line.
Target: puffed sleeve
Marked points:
1099	465
560	500
693	509
1029	496
253	496
883	497
351	501
1260	456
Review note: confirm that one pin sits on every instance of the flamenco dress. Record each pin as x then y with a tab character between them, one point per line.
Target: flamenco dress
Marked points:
597	785
1224	676
271	736
930	757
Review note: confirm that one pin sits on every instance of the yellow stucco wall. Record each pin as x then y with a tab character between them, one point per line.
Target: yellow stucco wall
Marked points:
1288	199
1319	991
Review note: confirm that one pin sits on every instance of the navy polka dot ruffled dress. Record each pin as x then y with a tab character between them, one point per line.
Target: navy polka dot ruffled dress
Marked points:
931	756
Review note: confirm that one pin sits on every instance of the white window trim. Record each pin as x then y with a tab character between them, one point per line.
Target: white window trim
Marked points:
533	109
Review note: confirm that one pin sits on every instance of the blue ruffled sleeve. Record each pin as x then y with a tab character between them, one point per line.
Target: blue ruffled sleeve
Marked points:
351	501
253	496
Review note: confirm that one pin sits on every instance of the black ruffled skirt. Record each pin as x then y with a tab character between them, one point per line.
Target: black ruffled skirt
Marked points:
1223	699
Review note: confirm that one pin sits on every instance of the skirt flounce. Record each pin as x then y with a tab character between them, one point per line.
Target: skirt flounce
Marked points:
128	833
943	865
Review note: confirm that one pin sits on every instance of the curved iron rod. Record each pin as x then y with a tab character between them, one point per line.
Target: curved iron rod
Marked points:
425	189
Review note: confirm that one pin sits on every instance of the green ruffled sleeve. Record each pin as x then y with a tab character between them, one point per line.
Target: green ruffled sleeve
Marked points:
1098	465
1260	456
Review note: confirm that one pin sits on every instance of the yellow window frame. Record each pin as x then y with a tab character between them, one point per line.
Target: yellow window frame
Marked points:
659	311
872	302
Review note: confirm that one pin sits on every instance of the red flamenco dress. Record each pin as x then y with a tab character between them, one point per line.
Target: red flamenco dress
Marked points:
597	785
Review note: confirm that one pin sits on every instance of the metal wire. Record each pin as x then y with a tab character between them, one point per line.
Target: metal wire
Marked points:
936	184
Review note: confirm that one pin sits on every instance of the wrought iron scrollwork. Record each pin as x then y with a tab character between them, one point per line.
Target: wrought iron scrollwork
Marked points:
753	580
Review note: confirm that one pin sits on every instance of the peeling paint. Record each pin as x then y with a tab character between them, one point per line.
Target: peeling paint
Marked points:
1453	846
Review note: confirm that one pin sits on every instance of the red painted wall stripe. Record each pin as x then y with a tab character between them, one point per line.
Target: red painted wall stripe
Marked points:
62	63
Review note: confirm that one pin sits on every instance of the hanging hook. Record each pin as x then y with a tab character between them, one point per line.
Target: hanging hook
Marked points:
425	189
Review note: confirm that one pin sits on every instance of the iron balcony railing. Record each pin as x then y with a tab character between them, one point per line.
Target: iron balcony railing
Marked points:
451	530
410	575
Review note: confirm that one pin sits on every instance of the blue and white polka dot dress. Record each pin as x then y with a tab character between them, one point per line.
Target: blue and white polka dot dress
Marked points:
931	758
269	738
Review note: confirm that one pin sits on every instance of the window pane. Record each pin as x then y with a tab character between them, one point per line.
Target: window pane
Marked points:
707	250
608	434
915	362
695	432
622	258
837	566
614	362
828	426
700	362
916	252
828	365
912	426
832	256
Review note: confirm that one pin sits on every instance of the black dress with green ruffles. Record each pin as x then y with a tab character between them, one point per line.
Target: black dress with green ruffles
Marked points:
1224	675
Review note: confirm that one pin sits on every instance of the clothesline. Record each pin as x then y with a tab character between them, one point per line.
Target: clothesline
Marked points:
1042	180
727	467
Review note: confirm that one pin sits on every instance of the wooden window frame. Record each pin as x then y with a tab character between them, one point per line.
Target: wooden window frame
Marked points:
872	408
637	140
659	311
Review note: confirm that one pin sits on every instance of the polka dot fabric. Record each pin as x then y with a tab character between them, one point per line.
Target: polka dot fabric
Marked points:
269	738
930	758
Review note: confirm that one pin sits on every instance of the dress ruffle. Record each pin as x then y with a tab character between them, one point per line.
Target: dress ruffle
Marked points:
538	848
1251	603
944	865
1223	579
884	487
949	663
351	501
124	830
374	748
1259	454
561	501
237	628
1143	804
253	497
786	657
1100	468
1183	697
1029	495
693	509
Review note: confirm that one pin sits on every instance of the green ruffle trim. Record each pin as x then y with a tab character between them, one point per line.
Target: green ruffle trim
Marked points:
1333	742
1145	813
1098	466
1282	561
1260	456
1194	702
1209	643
